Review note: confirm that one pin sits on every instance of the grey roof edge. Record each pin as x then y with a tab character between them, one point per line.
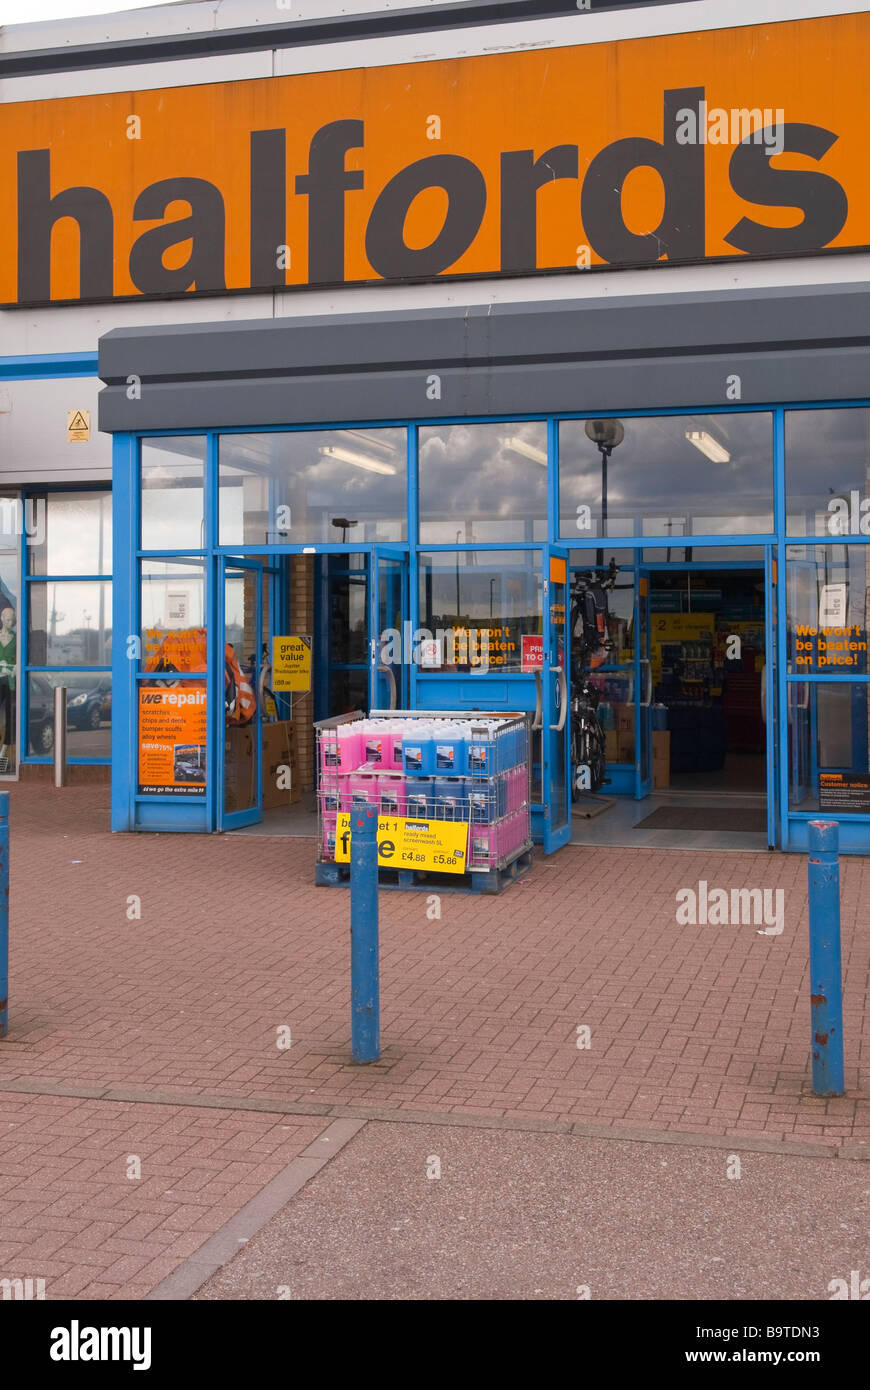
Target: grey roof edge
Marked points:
689	382
638	326
298	33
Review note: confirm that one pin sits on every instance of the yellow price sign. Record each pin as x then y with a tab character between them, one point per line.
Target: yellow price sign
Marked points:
404	843
682	627
291	663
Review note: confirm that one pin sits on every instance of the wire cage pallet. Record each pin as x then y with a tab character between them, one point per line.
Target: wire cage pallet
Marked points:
430	766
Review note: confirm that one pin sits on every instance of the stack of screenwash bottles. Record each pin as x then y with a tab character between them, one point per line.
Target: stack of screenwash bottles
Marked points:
431	768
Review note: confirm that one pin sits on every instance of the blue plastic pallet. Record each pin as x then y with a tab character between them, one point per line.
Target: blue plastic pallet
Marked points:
490	881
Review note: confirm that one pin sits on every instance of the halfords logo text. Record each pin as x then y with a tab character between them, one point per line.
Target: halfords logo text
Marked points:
76	1343
513	163
680	234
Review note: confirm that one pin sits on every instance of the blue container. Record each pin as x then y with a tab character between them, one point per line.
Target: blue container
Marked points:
482	802
449	752
450	798
522	746
481	756
418	799
487	800
606	717
418	751
659	715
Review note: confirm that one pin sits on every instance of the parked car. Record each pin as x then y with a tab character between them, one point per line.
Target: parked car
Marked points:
188	772
41	715
87	707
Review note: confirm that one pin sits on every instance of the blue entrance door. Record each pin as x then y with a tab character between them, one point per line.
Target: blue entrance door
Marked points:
771	708
556	701
642	683
390	643
235	724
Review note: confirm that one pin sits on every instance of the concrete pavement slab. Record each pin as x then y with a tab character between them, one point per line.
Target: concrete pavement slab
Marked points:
544	1216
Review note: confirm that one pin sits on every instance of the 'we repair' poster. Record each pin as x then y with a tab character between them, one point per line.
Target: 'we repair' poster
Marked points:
172	737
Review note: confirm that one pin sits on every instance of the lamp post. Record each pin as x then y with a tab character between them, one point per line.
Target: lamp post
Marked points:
344	526
458	537
606	435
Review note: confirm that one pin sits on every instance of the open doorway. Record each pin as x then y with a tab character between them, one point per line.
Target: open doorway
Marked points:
340	613
321	603
680	701
707	654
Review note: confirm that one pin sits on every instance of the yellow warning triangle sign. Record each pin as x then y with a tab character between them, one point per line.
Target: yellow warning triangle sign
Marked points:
78	426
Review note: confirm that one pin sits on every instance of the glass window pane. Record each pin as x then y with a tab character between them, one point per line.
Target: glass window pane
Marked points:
828	727
88	712
483	483
68	532
666	476
827	608
9	663
172	493
711	555
173	615
620	611
313	485
70	623
480	602
827	472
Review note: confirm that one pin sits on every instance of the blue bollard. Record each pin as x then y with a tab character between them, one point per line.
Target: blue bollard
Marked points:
365	1017
826	974
4	914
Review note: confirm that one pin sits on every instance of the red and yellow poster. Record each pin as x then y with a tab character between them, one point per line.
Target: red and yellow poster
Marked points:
172	717
172	739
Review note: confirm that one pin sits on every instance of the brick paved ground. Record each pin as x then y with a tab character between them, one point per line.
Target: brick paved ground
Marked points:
693	1029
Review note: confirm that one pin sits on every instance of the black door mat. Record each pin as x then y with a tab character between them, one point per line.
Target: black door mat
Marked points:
706	818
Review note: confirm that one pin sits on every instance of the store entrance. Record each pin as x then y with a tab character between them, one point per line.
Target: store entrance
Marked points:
682	703
306	636
707	655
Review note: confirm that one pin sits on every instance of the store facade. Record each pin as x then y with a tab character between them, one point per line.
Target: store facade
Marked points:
331	442
475	521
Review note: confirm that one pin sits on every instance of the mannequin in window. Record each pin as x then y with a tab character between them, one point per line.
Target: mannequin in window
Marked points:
8	663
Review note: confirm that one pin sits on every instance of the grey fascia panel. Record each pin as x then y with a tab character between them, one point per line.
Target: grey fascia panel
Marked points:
640	325
633	353
666	383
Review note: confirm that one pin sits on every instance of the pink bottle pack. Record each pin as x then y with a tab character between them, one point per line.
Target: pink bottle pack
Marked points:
482	846
363	789
377	736
391	793
330	753
330	794
351	747
515	780
329	833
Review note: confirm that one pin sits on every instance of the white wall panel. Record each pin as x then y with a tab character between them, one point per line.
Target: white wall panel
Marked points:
33	439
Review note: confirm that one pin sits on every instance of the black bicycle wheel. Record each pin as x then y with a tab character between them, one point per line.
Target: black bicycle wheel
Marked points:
597	764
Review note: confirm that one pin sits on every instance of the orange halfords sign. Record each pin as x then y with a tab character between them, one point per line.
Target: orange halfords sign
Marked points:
685	148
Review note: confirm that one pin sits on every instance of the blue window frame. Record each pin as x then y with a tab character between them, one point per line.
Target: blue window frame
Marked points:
790	825
76	656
